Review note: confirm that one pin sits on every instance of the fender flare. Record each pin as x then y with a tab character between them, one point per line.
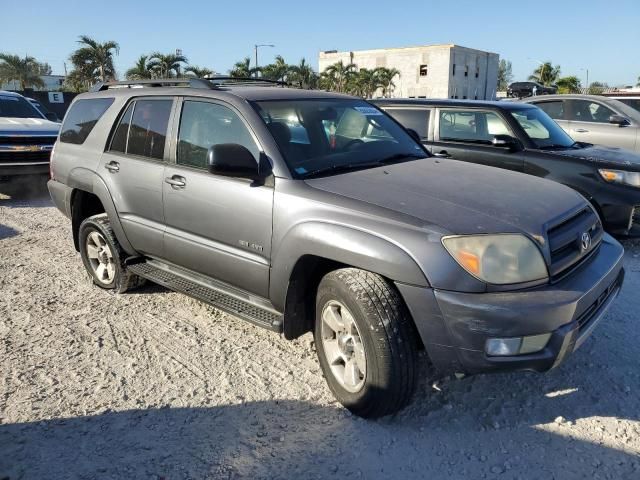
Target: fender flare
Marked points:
90	182
342	244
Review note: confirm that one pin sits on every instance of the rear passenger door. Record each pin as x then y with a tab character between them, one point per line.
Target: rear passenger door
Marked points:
133	167
215	225
467	134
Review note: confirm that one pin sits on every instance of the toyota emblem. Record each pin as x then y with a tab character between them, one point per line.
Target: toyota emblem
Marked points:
585	241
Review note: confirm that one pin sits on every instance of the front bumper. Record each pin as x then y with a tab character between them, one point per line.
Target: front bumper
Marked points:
455	326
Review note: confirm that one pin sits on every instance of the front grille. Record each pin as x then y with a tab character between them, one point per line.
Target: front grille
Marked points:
588	314
28	140
565	242
24	157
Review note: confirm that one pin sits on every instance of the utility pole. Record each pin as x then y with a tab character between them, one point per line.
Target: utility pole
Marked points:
255	48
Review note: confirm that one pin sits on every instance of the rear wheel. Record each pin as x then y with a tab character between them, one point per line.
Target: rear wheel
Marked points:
103	256
365	341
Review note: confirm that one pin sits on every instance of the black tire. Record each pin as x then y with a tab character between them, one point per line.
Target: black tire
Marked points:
387	335
123	279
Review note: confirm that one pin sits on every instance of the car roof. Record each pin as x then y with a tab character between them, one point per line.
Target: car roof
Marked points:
435	102
247	92
6	93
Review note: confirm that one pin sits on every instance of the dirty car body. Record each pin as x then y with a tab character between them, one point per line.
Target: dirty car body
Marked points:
339	184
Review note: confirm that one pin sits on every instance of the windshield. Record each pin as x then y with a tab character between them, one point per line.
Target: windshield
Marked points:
541	129
17	107
320	137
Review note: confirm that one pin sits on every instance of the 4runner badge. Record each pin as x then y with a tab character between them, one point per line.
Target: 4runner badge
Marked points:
253	246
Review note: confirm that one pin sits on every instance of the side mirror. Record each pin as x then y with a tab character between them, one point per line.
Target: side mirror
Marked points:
232	160
413	134
51	116
505	141
619	120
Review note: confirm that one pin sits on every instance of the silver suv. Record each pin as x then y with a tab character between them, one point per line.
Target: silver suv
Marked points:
308	211
594	119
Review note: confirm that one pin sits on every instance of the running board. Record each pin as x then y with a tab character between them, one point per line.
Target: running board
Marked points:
215	298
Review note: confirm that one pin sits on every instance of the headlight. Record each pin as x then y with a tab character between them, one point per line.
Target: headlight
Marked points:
620	176
498	259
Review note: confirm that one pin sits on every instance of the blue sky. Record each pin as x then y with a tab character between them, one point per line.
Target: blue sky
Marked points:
604	39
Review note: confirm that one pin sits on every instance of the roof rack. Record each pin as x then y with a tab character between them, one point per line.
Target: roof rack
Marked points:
209	83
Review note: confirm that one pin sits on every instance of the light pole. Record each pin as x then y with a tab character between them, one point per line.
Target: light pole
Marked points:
541	70
255	48
587	85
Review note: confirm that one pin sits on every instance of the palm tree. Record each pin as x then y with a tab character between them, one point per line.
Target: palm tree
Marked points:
278	70
242	68
25	71
336	77
546	74
94	60
386	76
198	72
141	70
568	84
303	76
166	64
597	88
364	83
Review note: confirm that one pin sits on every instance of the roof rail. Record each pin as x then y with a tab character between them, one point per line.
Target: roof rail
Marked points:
209	83
161	82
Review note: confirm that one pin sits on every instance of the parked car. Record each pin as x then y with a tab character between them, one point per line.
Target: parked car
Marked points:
26	139
528	89
594	119
520	137
628	98
44	111
351	231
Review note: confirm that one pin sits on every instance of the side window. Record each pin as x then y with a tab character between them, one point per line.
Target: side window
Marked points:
554	109
203	125
471	126
414	119
82	117
586	111
119	140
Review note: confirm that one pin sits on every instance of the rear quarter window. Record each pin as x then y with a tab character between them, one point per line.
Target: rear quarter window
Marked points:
415	119
81	118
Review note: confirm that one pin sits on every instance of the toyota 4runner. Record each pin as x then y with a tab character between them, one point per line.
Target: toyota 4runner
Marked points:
311	211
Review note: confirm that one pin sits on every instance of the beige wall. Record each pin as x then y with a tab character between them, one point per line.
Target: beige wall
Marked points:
439	82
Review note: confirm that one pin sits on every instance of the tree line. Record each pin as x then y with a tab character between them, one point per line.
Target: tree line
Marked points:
93	62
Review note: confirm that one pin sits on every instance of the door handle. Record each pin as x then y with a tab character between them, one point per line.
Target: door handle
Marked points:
442	154
582	130
112	166
176	181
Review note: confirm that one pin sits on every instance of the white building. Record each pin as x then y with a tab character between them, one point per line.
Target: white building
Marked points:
431	71
52	83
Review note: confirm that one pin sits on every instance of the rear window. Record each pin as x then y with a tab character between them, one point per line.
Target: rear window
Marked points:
417	120
81	118
142	129
17	107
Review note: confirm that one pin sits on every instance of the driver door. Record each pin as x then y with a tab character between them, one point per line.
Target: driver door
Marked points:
215	225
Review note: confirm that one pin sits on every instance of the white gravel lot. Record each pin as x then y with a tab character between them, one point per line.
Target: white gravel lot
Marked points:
155	385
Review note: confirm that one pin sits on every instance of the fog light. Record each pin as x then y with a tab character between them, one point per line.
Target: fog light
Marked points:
501	347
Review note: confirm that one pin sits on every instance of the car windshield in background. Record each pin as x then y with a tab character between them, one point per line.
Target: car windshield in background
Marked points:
542	130
323	137
17	107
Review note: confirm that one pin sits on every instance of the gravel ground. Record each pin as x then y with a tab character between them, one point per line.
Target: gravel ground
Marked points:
155	385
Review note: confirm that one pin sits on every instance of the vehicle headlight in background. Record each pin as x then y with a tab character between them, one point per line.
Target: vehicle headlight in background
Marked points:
498	259
620	176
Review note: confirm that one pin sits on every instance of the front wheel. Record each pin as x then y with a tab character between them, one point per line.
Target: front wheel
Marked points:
366	342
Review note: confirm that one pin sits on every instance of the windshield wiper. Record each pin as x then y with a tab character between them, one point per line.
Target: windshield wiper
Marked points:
397	157
557	147
350	167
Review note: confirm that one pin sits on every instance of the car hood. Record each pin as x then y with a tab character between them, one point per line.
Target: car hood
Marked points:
612	156
459	197
27	126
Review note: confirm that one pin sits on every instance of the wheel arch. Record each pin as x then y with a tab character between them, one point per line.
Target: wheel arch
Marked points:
313	249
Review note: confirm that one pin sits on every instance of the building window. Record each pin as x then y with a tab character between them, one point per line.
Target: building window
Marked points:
476	97
453	73
422	96
464	97
477	72
466	70
424	70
